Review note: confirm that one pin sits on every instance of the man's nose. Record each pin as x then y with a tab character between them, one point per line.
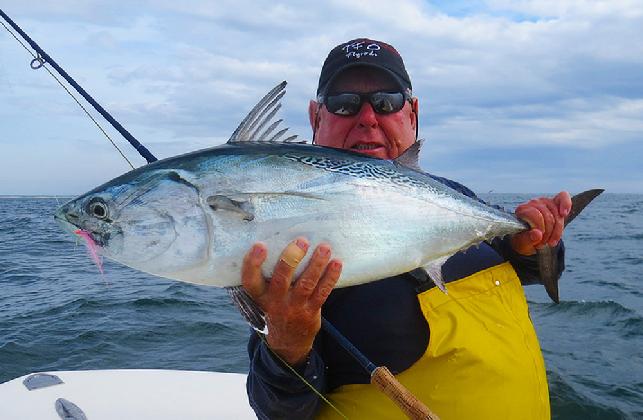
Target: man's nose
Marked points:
367	117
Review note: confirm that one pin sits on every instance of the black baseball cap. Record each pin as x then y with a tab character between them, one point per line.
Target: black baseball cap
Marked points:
363	52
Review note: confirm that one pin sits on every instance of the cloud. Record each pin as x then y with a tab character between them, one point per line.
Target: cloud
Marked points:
496	75
571	8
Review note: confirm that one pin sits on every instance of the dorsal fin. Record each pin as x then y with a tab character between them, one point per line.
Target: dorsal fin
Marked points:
410	157
260	116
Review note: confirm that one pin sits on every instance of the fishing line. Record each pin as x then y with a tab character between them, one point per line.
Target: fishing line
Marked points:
37	63
308	384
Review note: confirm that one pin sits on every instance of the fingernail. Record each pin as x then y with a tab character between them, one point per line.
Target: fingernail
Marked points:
533	236
257	251
301	243
324	251
336	265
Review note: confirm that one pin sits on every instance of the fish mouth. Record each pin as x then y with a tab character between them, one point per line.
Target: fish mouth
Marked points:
66	224
70	223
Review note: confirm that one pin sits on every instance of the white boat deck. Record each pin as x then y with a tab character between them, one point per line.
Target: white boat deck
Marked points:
129	394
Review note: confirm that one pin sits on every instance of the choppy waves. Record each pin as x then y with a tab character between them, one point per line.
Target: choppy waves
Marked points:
58	313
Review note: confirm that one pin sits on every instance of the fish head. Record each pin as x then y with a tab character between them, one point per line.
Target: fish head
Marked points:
152	221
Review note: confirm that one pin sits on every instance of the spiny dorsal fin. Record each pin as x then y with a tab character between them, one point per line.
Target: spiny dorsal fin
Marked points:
410	157
260	116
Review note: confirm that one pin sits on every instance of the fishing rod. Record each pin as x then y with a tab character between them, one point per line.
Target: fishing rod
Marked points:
42	58
383	379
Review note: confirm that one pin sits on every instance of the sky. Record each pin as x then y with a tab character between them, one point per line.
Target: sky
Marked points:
515	96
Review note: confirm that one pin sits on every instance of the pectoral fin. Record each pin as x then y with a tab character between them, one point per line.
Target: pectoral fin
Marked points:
222	202
241	202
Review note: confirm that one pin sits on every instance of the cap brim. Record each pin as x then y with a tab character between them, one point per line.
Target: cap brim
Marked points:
402	84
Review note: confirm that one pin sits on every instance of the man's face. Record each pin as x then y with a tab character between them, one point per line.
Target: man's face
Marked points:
385	136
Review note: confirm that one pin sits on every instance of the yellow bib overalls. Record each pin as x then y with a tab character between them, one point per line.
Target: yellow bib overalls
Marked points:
483	360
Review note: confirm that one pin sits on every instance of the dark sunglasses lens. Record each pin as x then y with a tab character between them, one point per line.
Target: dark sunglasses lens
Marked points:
386	103
344	103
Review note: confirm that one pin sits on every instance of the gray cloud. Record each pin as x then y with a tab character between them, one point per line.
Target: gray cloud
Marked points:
495	75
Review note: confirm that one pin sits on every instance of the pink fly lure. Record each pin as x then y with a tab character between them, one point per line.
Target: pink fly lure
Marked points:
91	248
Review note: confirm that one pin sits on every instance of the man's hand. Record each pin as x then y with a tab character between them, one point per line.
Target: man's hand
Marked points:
546	216
293	311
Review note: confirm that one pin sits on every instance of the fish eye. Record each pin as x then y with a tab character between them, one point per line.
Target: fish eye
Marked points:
97	208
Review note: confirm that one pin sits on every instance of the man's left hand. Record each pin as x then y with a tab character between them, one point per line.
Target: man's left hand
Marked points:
546	216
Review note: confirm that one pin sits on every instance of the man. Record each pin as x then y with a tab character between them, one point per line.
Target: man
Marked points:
470	354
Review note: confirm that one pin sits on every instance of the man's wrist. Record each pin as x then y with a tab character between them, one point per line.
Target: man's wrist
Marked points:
520	249
292	356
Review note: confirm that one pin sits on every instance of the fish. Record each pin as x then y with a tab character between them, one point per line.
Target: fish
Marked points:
193	217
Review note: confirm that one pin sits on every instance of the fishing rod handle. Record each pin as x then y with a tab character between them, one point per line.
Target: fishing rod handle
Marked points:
415	409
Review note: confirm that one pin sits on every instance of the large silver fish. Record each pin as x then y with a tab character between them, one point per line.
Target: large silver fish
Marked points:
193	217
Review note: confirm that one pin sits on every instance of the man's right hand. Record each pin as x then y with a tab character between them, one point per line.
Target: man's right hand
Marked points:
293	309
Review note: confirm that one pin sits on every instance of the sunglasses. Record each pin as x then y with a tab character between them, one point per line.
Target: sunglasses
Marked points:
348	104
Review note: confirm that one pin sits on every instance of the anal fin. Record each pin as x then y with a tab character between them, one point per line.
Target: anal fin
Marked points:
434	270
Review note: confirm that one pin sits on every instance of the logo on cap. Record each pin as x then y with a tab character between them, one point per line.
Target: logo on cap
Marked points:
360	49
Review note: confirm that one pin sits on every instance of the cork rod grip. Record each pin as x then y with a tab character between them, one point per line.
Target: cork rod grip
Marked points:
383	379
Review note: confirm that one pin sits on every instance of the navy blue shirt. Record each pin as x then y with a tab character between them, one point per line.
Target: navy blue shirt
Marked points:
382	319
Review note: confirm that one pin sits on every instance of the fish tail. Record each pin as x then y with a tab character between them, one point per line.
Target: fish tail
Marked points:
548	266
548	259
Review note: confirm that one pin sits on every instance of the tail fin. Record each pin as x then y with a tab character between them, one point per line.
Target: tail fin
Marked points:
580	201
547	259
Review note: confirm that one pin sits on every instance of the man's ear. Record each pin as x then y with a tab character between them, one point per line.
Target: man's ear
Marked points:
415	108
313	111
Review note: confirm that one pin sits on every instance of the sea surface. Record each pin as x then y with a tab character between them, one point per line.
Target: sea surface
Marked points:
57	312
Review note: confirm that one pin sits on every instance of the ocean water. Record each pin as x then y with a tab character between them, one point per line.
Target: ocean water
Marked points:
58	313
